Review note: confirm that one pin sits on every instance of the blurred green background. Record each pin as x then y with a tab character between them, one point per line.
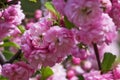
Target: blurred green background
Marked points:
29	7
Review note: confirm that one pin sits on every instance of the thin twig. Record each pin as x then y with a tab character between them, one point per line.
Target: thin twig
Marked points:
97	55
12	2
15	57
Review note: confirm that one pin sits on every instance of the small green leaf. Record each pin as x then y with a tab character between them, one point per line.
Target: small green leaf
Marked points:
9	44
107	62
68	24
6	39
46	72
80	77
33	1
21	28
7	54
51	8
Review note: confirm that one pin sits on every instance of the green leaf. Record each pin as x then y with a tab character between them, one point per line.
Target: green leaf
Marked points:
3	78
107	62
9	44
33	1
68	24
46	72
51	8
80	77
7	54
6	39
21	28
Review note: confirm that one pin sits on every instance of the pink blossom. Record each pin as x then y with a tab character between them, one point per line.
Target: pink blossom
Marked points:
0	13
31	36
38	14
16	32
76	61
74	78
86	65
115	10
46	46
29	24
106	5
82	12
95	75
59	73
9	0
59	38
40	57
17	71
113	48
116	72
5	29
13	14
59	5
103	30
78	69
79	53
70	74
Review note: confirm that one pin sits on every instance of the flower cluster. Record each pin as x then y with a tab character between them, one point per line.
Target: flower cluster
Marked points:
11	17
70	37
98	28
17	71
95	75
46	45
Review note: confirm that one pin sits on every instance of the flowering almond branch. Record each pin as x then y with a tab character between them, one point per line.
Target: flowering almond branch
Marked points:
97	55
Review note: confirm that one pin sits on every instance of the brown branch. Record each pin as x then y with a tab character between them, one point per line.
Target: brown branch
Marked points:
97	55
12	2
15	57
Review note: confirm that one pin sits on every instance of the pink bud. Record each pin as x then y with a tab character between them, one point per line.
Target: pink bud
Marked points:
38	14
87	65
76	61
70	73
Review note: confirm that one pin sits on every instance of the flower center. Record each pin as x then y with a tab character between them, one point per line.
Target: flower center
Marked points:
86	10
